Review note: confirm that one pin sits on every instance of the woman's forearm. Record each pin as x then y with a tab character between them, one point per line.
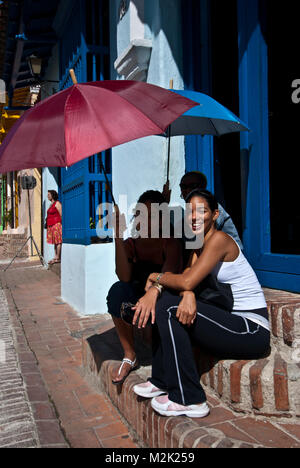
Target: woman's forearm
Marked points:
123	267
186	281
178	282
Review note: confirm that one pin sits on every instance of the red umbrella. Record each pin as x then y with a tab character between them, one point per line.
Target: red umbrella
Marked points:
88	118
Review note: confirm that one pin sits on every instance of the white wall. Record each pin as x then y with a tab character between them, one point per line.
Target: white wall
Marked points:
87	273
49	175
142	164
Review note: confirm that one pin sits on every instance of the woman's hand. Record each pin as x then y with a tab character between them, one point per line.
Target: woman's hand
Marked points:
144	307
167	192
151	280
187	309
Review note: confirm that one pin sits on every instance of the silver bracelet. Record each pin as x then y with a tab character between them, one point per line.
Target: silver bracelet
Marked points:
159	287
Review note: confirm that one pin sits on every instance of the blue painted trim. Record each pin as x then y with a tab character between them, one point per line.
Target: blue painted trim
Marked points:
281	281
278	263
274	270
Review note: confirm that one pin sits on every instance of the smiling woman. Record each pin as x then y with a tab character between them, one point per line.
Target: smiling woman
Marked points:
184	317
203	206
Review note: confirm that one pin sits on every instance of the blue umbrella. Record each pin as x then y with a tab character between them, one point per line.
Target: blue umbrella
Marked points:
209	118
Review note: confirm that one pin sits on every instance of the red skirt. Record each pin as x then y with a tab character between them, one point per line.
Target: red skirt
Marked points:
54	234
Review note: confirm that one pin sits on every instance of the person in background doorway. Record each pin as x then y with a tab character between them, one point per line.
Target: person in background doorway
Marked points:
54	226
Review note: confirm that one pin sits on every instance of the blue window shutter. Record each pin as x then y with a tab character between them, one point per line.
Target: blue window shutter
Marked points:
84	47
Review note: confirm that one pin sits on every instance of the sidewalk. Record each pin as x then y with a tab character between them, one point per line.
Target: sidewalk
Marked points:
17	425
56	406
63	399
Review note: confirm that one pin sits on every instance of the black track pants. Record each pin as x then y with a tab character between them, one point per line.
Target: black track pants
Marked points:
215	331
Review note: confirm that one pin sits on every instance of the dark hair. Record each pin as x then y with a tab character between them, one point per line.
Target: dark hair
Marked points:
153	196
54	194
199	175
209	197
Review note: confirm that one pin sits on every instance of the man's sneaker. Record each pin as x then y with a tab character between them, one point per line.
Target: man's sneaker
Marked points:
147	390
166	407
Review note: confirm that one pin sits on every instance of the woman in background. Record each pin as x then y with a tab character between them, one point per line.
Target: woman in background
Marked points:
54	226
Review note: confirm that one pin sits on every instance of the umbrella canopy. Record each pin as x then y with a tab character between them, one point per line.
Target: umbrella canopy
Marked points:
88	118
208	118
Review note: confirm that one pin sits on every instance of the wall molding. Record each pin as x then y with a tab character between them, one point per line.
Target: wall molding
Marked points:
133	62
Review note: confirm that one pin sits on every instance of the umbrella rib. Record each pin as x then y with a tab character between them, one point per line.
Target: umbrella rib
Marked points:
132	105
217	133
146	115
77	87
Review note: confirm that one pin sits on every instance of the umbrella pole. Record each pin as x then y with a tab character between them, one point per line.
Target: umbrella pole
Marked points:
73	76
107	181
74	79
169	148
169	138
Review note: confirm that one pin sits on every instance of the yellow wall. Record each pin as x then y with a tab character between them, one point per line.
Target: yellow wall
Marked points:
8	118
36	212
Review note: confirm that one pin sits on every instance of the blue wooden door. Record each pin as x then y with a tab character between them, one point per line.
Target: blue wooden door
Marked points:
270	223
277	264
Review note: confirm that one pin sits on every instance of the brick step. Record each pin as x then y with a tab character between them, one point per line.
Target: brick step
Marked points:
268	386
223	428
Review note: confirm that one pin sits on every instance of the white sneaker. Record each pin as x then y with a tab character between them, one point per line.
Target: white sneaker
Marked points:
166	407
147	390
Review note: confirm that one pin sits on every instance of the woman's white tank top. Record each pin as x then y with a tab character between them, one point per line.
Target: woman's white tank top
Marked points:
246	289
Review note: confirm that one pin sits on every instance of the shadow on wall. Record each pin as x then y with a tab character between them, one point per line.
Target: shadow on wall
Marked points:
160	16
163	14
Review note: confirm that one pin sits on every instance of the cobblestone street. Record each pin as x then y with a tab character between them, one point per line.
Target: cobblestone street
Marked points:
45	400
17	425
